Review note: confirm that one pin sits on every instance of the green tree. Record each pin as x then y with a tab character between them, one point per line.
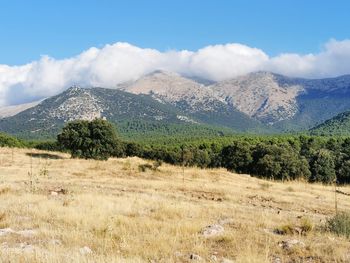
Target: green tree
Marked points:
95	139
237	157
281	162
343	175
322	167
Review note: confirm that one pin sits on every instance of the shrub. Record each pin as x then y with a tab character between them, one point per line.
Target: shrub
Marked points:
340	224
157	164
145	167
306	226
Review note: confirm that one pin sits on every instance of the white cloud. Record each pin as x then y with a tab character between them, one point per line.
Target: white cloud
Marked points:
122	62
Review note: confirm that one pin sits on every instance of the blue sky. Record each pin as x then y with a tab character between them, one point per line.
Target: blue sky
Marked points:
64	28
47	46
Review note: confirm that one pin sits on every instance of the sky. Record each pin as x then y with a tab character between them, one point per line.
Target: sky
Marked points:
48	45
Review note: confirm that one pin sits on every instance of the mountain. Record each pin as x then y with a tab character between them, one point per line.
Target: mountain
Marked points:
287	104
338	125
132	112
196	99
319	100
260	96
283	103
260	102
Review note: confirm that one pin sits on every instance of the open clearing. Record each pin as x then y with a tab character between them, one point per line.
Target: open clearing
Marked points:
56	209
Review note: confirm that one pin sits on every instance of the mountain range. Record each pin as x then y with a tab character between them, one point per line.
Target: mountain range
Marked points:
259	102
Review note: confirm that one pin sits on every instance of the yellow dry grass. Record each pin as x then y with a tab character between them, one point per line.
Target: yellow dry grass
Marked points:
124	215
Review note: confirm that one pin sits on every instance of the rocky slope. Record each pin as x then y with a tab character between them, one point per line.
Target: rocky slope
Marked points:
260	96
172	88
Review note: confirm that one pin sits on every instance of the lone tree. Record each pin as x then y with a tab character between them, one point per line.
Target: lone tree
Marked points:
95	139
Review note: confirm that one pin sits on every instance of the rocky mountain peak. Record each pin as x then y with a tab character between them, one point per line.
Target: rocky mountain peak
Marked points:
260	96
173	88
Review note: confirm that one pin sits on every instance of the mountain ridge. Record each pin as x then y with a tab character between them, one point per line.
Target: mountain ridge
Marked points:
257	102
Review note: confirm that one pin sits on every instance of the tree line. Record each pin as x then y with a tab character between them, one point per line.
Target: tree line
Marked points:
279	157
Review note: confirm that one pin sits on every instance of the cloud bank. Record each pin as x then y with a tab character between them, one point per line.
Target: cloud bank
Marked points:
121	62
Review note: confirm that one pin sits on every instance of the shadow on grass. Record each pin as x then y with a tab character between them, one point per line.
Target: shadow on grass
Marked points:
45	155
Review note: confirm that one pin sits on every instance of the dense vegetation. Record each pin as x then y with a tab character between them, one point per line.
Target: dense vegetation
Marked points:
279	157
338	125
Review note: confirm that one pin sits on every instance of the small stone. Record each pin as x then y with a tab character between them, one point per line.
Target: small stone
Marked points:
226	260
53	193
26	248
195	257
214	258
55	242
212	230
178	254
85	250
276	260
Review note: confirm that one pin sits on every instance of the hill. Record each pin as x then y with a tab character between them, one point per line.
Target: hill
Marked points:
338	125
72	210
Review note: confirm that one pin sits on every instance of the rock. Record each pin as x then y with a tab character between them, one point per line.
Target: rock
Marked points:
195	257
178	254
276	259
226	260
58	191
27	232
24	233
26	248
85	250
55	242
18	248
6	231
212	230
289	244
214	258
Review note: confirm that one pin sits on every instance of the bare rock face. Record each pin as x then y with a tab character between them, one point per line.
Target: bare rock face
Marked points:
173	88
260	96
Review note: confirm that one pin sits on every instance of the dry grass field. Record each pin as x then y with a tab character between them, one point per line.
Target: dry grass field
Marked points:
56	209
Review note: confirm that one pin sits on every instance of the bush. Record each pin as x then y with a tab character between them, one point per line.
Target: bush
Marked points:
145	167
340	224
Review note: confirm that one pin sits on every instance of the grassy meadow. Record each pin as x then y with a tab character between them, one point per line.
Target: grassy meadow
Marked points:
57	209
